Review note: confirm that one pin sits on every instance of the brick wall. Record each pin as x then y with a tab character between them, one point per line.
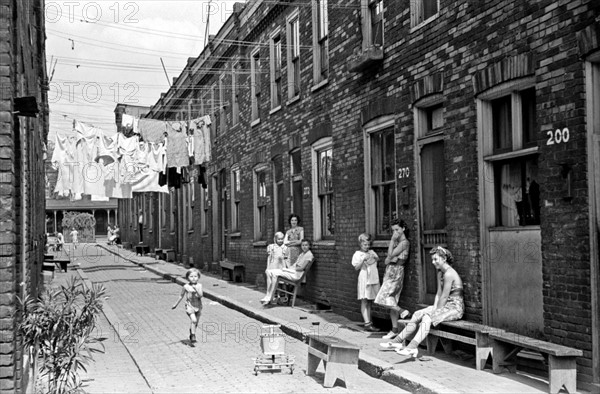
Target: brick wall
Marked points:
464	48
22	205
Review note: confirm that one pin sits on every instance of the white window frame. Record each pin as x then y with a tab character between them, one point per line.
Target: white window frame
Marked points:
276	214
487	158
369	129
320	145
294	176
222	104
293	54
416	11
320	42
255	85
367	23
235	198
258	235
204	207
275	40
235	109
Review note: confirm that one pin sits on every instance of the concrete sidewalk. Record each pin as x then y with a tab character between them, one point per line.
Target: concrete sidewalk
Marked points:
440	373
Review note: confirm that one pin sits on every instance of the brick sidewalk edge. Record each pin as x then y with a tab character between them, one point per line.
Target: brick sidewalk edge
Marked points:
372	366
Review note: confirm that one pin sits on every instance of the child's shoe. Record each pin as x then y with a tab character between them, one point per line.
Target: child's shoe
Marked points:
370	327
390	335
192	338
408	352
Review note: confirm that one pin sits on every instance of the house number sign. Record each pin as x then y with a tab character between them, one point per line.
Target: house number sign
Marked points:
403	172
557	136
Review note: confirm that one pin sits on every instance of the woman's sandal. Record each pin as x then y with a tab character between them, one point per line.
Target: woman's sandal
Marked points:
408	352
391	345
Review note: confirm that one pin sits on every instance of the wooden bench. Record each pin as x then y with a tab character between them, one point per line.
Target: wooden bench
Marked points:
562	360
234	270
142	249
295	284
481	339
340	359
159	254
60	263
169	254
48	266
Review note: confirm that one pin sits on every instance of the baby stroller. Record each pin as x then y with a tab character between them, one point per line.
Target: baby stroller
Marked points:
273	357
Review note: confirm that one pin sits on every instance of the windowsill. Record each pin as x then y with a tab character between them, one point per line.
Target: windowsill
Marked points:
380	244
259	243
325	243
204	236
366	58
319	85
172	233
515	228
274	110
237	234
424	23
293	100
255	122
512	154
190	232
150	231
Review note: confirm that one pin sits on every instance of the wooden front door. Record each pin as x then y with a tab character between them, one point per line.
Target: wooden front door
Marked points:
433	212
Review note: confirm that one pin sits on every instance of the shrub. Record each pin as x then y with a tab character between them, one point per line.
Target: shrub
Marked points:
58	327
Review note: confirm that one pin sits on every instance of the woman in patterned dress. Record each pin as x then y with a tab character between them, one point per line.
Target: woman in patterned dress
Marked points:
393	279
293	238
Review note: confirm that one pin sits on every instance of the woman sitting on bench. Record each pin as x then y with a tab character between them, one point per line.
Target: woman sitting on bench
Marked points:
448	305
294	272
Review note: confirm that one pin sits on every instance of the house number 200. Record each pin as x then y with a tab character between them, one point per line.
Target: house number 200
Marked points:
557	136
404	172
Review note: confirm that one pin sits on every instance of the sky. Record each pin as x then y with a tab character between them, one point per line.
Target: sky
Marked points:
103	52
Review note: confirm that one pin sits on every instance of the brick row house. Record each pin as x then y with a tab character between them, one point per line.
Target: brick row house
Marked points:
477	122
23	131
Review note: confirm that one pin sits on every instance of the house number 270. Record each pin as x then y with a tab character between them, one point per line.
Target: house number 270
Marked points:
404	172
557	136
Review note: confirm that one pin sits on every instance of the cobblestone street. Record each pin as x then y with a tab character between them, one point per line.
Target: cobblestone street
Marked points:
153	338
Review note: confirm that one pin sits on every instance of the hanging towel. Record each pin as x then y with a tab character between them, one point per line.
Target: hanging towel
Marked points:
152	130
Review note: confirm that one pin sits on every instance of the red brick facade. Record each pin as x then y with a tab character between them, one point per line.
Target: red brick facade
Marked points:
462	70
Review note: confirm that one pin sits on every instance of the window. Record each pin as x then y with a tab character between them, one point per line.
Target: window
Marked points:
189	206
204	205
278	192
323	202
255	84
215	109
372	23
510	154
163	211
381	182
235	199
293	55
275	70
172	201
235	109
296	181
320	41
222	104
422	11
260	204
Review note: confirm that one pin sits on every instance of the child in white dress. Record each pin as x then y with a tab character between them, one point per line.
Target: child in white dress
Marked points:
365	261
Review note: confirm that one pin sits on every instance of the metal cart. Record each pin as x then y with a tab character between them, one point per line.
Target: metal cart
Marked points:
273	357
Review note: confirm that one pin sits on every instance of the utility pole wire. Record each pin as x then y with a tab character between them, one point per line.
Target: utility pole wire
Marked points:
165	70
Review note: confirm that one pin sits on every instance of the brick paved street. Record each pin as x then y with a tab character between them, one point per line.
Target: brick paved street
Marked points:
154	338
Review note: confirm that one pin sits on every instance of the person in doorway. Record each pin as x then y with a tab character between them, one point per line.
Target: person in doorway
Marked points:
74	237
393	279
448	305
141	225
192	291
293	238
365	260
294	272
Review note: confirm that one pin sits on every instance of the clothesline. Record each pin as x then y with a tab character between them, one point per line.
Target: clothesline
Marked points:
149	156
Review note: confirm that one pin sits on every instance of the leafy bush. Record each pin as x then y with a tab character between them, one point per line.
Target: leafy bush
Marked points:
84	222
58	327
